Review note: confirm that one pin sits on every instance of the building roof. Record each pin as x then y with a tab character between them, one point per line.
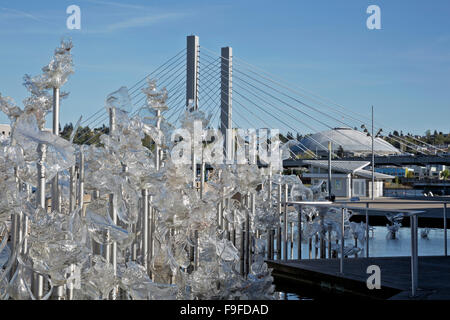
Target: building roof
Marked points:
339	165
378	176
352	167
350	140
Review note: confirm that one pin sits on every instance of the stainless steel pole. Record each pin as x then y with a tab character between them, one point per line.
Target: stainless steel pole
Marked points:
279	212
242	256
81	184
38	280
414	255
341	262
329	170
373	160
111	251
150	233
445	229
367	230
202	176
285	222
247	245
299	241
56	205
72	189
145	233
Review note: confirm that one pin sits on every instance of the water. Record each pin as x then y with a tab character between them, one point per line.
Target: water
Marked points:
379	246
403	193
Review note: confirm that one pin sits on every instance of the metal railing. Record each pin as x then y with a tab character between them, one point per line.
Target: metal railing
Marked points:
344	206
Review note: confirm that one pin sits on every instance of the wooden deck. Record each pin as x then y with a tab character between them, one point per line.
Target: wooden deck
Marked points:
434	276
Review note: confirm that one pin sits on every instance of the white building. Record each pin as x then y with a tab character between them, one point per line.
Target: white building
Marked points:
350	142
348	178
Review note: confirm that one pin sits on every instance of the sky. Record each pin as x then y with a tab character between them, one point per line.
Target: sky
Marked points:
403	69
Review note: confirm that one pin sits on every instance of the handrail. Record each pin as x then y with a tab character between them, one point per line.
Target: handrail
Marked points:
343	205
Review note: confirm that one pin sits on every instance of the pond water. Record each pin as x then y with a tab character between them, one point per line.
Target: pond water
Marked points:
379	246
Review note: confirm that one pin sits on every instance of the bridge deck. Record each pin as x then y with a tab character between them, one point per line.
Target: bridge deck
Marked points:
434	276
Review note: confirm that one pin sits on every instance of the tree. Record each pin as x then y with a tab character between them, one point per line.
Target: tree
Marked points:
445	174
340	152
290	136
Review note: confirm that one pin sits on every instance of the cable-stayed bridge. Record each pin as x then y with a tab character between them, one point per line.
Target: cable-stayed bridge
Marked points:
238	94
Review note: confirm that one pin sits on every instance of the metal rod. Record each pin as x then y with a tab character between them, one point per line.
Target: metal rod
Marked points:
251	234
72	190
367	230
299	240
341	262
111	250
373	160
202	176
38	280
197	253
56	205
81	184
329	169
219	215
279	212
242	257
270	237
151	232
285	218
291	240
310	247
316	249
445	229
329	245
145	233
414	255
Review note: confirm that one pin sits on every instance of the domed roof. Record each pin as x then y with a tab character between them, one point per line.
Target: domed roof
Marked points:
352	141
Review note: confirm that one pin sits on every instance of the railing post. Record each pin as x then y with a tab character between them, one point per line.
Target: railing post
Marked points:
445	228
299	240
341	262
367	229
414	255
279	212
285	222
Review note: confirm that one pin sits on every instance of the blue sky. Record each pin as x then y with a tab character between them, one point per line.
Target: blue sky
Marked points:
324	46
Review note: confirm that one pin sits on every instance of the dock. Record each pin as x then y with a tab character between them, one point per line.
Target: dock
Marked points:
434	276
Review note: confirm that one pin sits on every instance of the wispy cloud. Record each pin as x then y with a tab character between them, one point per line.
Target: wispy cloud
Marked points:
143	21
117	4
136	22
8	13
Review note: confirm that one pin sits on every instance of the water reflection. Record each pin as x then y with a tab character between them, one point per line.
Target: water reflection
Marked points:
379	246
